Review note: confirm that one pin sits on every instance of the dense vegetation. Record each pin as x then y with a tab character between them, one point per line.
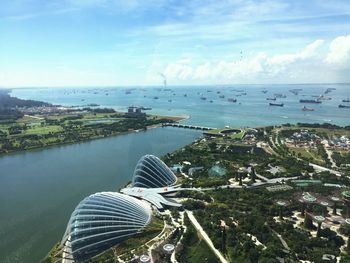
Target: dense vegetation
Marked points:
69	129
9	105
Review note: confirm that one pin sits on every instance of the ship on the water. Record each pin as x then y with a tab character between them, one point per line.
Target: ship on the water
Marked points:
295	91
280	95
222	96
310	101
307	109
203	98
344	106
270	98
232	100
276	104
329	90
347	100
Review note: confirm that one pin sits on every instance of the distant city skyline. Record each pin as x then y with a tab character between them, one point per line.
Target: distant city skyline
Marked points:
123	43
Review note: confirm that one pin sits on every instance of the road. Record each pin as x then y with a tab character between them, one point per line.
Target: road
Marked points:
329	153
324	169
205	237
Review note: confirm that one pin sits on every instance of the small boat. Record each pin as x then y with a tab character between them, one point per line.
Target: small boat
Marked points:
169	100
276	104
232	100
280	95
310	101
329	90
222	96
185	95
155	97
264	91
307	109
203	98
270	98
211	101
344	106
347	100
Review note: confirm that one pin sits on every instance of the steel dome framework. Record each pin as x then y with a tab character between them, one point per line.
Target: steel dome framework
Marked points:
103	220
151	172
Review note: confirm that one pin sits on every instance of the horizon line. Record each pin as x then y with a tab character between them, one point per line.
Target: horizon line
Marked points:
177	85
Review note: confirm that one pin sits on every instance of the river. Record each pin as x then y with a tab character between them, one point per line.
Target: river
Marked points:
39	189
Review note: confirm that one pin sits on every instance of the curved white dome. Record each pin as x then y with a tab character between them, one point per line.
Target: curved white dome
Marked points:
151	172
103	220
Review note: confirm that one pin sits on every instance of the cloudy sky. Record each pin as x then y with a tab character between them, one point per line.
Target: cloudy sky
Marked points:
130	42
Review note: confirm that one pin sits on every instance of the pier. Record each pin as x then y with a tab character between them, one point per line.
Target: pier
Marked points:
185	126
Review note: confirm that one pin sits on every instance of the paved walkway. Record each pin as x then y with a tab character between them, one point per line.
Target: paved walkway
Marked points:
205	237
284	243
323	169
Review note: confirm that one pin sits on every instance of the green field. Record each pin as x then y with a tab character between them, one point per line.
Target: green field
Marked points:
237	135
200	252
39	131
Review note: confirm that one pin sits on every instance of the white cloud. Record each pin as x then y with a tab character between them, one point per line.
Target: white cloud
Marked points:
309	64
339	52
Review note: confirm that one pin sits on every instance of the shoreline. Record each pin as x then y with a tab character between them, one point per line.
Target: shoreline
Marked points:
172	118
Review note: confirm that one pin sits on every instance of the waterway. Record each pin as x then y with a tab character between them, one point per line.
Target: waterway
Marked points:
39	189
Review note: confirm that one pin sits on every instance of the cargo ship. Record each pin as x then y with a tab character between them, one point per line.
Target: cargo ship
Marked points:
347	100
344	106
276	104
280	95
329	90
309	101
306	109
232	100
270	98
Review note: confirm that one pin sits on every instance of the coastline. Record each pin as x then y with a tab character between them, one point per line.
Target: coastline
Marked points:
51	145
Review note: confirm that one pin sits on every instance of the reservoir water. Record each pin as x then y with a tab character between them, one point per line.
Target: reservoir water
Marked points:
39	189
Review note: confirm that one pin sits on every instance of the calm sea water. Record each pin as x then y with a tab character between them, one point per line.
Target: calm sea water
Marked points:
39	189
250	110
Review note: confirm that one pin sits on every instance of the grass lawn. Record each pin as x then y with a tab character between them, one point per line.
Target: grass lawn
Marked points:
236	136
308	153
44	130
200	252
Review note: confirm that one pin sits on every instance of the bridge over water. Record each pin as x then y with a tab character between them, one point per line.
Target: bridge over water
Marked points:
185	126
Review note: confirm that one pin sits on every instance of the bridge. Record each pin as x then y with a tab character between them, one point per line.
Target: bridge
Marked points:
185	126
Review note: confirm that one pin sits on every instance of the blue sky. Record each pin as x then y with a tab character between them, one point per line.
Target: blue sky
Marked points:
115	42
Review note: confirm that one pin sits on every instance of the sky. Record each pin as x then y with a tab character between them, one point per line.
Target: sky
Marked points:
190	42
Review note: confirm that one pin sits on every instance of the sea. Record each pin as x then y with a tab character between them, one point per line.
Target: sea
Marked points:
204	106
